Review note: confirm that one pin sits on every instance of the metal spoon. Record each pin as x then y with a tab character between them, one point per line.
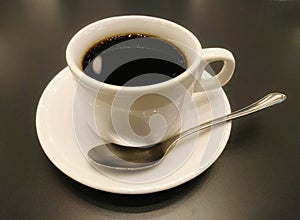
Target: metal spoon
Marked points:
135	158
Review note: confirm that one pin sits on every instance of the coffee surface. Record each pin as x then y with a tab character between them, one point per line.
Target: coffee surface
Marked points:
133	60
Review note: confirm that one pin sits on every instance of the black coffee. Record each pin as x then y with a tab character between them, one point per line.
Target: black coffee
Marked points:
133	60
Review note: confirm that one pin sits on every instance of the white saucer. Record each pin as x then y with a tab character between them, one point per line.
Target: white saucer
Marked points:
54	122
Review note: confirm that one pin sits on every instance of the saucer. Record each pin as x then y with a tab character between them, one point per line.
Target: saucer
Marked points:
55	129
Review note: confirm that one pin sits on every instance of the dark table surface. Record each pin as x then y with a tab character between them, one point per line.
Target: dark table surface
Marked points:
256	177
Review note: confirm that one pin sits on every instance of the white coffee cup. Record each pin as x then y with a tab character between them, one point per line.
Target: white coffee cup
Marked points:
143	115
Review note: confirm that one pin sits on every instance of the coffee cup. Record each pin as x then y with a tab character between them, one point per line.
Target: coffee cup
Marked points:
142	114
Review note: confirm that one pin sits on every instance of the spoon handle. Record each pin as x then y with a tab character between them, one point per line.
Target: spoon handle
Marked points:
267	101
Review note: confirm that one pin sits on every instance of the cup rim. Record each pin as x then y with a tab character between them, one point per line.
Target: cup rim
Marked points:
91	83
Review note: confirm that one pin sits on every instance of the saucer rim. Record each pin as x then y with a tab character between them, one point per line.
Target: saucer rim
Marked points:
119	190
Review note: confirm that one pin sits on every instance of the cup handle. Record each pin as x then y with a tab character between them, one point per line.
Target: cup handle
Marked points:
210	55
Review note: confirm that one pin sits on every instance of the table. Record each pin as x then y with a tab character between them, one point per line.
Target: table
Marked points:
256	177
